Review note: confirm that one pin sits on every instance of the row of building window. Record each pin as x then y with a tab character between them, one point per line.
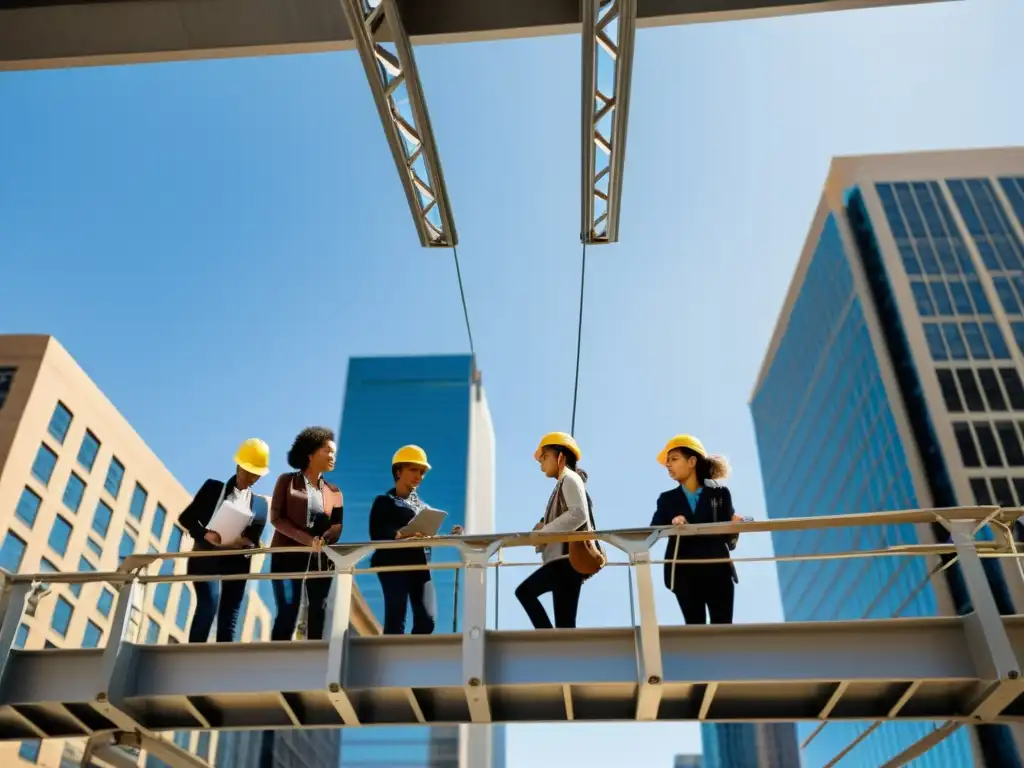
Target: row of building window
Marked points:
998	491
980	442
978	390
952	297
965	341
1013	188
988	224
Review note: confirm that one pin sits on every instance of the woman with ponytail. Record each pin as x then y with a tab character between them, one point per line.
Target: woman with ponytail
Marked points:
569	509
703	591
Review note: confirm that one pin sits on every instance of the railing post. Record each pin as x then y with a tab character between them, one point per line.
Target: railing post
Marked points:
990	646
339	626
474	631
647	633
119	661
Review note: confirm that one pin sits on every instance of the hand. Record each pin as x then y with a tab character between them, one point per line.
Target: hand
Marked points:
240	543
538	526
678	520
318	543
416	535
737	519
212	537
457	530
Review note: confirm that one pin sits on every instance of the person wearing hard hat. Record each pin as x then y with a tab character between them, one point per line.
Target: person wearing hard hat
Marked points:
306	511
704	592
569	509
390	513
223	599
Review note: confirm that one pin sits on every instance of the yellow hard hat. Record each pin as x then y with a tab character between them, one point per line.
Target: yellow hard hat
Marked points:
682	441
563	439
410	454
254	456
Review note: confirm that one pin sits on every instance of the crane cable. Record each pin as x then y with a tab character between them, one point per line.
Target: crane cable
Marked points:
579	340
462	293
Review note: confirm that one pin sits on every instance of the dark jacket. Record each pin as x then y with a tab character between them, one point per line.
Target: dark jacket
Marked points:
196	516
387	518
713	506
288	512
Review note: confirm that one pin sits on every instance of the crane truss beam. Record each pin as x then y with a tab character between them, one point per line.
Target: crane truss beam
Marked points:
609	31
390	65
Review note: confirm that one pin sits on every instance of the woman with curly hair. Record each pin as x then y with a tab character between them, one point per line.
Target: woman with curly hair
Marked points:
703	591
306	511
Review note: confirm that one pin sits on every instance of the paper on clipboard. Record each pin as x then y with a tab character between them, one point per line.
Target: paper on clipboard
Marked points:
229	521
428	522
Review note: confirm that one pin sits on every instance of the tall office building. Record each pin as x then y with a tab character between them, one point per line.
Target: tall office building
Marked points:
437	403
749	745
893	380
80	491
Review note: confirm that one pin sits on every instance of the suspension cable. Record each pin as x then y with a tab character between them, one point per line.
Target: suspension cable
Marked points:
579	340
462	293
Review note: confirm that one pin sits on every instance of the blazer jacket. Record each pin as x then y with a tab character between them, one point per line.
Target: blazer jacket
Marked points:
713	506
196	516
288	512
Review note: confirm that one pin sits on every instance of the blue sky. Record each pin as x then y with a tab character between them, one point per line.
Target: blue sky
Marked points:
196	234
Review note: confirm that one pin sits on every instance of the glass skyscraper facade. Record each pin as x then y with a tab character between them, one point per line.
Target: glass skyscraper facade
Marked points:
893	381
749	745
435	402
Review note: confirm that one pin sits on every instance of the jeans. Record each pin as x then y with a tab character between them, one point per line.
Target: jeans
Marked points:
220	599
402	588
706	595
563	582
288	597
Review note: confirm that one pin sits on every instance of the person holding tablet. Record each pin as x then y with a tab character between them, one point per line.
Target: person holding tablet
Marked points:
390	514
703	591
223	599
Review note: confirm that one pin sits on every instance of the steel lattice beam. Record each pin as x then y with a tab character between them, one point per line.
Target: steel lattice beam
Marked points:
609	31
390	65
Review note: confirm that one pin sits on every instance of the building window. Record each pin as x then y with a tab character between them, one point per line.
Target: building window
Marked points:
257	629
22	637
203	745
94	546
152	632
93	635
11	553
73	492
61	617
159	521
101	518
127	546
29	750
184	608
163	589
115	474
174	543
28	507
84	566
6	379
60	423
183	739
89	450
60	535
138	505
105	602
42	467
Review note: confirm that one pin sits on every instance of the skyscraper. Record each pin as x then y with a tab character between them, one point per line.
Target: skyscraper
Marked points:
893	380
80	491
749	745
437	403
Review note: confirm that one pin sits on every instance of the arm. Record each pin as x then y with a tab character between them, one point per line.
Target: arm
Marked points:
189	517
383	526
279	513
254	531
332	534
730	514
662	514
575	516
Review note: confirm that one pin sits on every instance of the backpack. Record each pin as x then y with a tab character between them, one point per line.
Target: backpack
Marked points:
587	557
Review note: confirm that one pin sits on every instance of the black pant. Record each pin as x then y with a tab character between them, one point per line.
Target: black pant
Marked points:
703	595
220	599
401	589
288	596
563	582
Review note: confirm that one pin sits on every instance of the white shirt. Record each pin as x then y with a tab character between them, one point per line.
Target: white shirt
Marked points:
575	516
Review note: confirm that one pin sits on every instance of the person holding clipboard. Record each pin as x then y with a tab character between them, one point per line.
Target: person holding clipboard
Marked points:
401	514
306	511
225	515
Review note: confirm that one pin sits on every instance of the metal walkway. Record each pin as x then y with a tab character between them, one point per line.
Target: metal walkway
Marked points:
959	669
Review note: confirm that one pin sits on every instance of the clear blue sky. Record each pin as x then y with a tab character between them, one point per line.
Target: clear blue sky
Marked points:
195	233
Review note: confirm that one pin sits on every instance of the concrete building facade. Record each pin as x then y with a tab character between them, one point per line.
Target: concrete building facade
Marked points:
895	380
80	491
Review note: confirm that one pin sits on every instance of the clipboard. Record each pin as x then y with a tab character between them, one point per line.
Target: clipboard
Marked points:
428	522
229	521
